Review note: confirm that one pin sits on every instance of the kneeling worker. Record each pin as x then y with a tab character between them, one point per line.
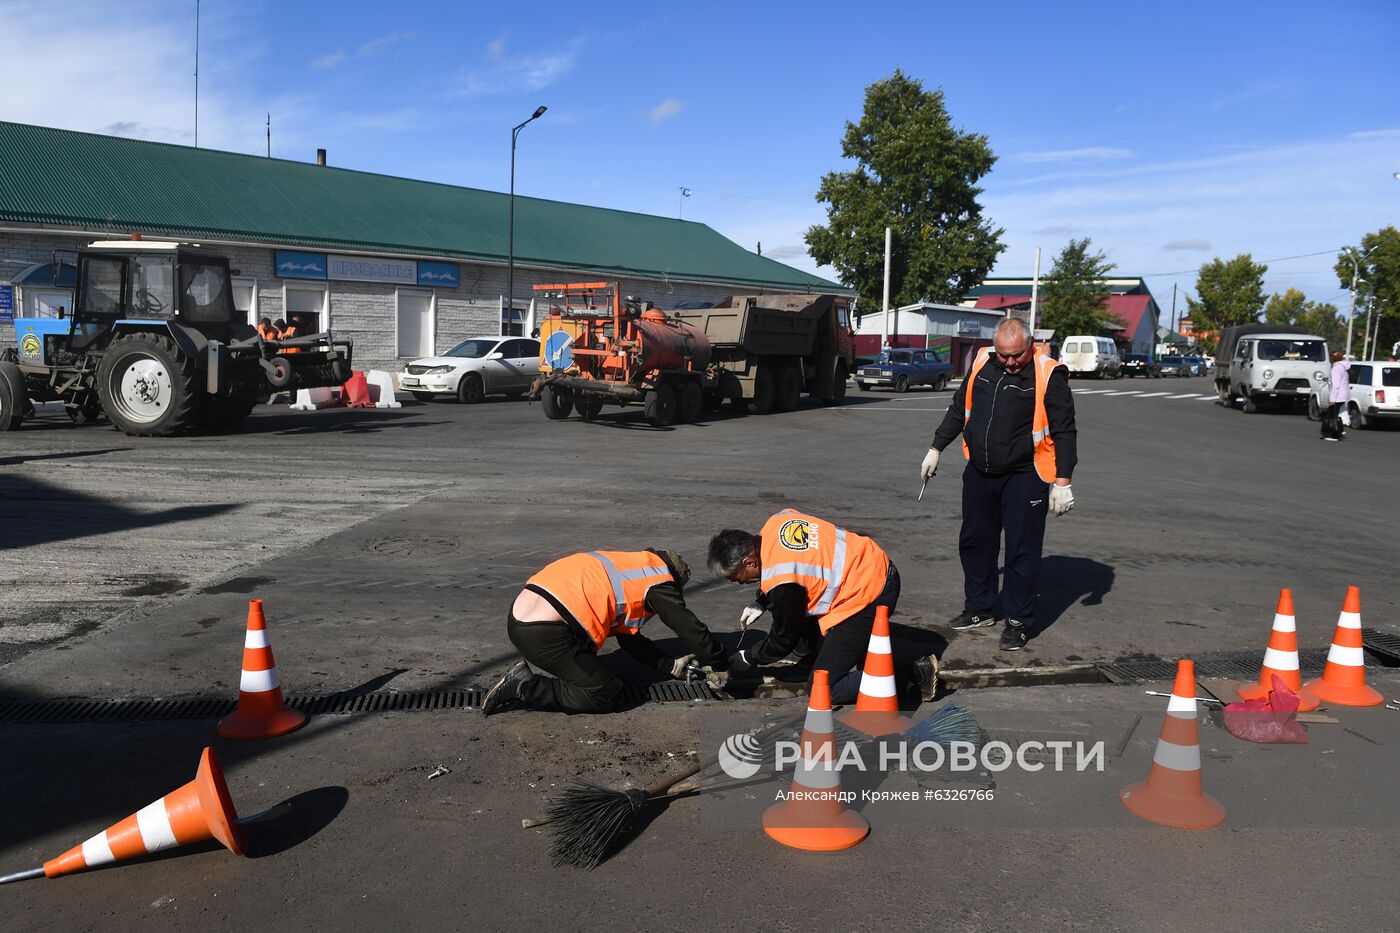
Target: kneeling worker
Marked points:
567	610
822	585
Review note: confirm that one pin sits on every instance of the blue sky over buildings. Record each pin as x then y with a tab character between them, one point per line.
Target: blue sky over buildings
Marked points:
1169	134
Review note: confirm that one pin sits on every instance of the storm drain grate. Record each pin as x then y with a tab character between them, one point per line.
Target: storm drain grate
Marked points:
1381	643
146	710
1239	665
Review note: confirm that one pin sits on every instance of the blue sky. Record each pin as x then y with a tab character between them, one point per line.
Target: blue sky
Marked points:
1168	134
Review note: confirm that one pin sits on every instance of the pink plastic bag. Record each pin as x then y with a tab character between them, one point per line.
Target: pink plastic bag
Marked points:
1270	721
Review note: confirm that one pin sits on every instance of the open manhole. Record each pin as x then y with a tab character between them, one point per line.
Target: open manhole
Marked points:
413	546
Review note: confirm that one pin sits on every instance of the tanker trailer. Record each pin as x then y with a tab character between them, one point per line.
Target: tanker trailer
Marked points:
599	348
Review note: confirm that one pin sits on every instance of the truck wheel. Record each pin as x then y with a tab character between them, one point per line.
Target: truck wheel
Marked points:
660	406
147	387
14	398
838	386
1250	405
901	385
764	388
470	390
788	391
588	408
689	402
557	404
1314	410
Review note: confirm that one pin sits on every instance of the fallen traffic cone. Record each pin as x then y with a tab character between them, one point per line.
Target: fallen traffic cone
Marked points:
814	818
261	712
1281	659
200	810
1343	680
877	705
1172	794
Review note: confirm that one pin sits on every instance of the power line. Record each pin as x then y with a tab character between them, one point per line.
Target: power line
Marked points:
1325	252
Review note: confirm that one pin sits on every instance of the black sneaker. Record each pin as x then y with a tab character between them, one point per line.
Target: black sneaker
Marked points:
980	618
506	693
1014	636
926	676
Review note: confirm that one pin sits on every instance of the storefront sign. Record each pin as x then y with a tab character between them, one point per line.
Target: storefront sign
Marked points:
969	327
294	265
7	302
438	274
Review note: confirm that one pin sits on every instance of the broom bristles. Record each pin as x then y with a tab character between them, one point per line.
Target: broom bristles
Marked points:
951	723
588	822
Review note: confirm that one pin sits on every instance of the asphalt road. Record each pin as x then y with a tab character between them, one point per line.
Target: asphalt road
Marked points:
388	544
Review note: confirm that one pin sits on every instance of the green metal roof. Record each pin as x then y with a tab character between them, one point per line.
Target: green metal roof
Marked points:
69	179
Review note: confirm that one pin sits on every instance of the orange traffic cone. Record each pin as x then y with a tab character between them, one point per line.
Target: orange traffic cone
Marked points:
261	712
1281	658
1172	793
200	810
814	818
877	705
1343	680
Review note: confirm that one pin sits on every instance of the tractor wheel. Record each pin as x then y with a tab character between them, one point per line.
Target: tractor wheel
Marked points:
470	390
422	396
557	403
789	389
588	408
764	389
223	412
690	400
147	388
660	406
838	386
14	398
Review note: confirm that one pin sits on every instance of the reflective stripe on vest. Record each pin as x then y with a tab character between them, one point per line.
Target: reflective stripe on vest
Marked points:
848	573
1042	443
619	577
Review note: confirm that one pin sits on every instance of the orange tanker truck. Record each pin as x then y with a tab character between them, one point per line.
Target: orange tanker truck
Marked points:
749	351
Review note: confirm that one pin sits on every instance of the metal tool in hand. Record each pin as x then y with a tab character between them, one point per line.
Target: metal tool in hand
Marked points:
921	490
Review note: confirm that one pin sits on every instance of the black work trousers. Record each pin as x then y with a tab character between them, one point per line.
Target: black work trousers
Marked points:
843	648
580	683
1015	504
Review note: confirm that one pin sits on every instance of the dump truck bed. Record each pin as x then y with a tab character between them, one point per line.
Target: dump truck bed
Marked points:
766	325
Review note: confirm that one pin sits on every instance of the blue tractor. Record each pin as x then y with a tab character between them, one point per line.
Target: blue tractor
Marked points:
155	345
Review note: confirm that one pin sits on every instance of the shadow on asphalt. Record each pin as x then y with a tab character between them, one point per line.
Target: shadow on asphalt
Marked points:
1070	581
69	455
311	811
37	513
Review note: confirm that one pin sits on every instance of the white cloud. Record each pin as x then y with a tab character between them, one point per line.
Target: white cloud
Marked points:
1087	154
1187	244
667	109
329	60
366	50
515	75
1376	134
496	48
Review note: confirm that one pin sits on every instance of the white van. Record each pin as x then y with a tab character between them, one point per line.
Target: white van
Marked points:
1091	356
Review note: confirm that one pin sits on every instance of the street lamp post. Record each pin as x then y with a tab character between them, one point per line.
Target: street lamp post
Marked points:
1355	275
510	237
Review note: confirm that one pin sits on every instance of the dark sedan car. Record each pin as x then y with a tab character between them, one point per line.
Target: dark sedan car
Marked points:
1195	366
1139	364
1173	366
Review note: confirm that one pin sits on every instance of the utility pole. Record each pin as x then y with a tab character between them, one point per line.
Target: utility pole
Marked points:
1355	275
1035	290
1366	342
885	314
269	135
196	74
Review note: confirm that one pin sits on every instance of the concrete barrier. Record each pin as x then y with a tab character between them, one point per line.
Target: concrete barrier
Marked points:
313	399
381	389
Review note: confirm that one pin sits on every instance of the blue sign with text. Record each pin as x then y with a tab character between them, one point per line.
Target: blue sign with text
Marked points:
438	274
295	265
7	302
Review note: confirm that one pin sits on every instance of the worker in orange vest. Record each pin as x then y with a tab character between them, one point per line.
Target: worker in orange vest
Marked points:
265	330
565	613
822	585
287	331
1015	413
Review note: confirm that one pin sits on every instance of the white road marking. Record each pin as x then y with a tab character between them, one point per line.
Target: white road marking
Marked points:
1130	392
1190	395
1206	398
1088	391
1153	394
877	408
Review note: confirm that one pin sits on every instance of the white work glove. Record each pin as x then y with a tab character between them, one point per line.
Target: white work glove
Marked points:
750	615
1061	499
929	466
678	668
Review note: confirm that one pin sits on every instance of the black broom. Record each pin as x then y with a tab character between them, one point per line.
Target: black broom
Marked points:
589	822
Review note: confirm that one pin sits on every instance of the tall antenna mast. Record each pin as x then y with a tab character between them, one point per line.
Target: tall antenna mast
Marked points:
196	73
269	134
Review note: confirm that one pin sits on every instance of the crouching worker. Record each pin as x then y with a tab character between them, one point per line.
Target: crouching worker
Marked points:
822	585
567	610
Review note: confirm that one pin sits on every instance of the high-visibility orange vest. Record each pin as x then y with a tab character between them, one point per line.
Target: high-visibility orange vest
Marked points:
842	572
606	591
1043	365
287	334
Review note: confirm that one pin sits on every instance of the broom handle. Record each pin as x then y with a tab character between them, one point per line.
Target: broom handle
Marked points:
666	783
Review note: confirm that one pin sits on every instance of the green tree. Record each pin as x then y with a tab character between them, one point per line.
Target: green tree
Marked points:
1380	280
916	173
1293	309
1227	293
1074	294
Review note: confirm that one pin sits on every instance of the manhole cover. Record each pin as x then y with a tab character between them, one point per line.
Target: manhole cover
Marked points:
413	546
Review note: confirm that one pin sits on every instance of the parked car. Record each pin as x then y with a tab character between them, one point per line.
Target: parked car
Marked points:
1091	356
1172	365
1140	364
1375	394
475	368
901	369
1195	365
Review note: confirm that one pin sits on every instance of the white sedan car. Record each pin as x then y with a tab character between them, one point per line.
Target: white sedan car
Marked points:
475	368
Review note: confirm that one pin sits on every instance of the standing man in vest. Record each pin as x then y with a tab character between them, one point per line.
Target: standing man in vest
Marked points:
822	585
1016	416
567	610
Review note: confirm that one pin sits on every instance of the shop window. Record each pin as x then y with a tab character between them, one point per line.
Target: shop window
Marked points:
309	304
245	299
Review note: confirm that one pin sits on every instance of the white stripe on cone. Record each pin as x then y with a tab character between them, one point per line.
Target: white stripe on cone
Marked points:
1280	660
1345	656
96	851
1349	620
816	775
877	686
256	638
1177	757
819	721
154	823
1177	705
1285	623
879	644
259	681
